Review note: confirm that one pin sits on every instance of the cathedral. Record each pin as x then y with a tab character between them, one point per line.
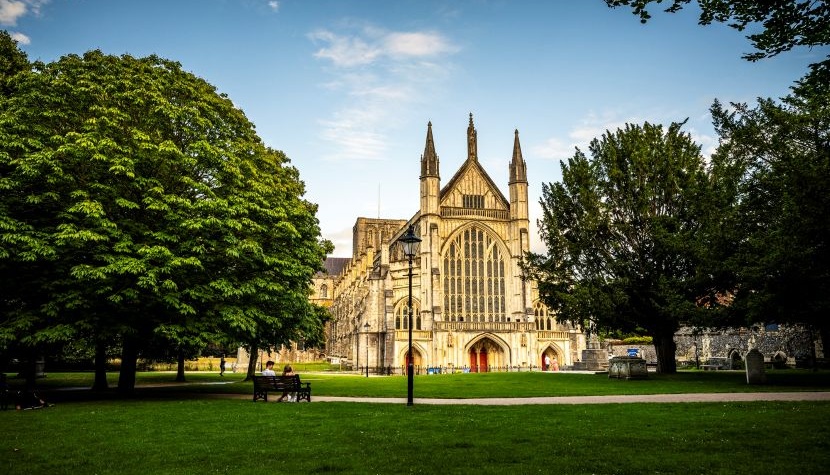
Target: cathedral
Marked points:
472	309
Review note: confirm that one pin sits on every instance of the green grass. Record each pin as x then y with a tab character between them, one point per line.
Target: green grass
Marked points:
234	436
181	430
499	385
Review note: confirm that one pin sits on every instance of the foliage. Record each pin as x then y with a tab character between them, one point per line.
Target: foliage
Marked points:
639	340
784	25
138	203
624	233
778	156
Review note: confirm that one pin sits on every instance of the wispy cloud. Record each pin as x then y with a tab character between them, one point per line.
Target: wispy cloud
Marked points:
21	38
274	5
595	125
590	127
10	11
13	10
372	68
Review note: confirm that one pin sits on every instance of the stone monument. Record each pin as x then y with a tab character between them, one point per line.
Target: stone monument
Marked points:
594	358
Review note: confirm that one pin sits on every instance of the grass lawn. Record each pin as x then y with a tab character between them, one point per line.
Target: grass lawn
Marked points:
188	432
500	385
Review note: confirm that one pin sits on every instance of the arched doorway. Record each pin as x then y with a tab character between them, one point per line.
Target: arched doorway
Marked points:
484	355
550	360
417	360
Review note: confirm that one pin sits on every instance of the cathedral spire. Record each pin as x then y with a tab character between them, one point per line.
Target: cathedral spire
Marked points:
518	168
472	147
429	160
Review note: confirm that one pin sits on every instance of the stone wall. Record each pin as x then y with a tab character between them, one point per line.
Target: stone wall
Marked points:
792	343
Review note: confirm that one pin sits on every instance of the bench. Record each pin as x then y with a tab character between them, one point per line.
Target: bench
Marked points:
281	384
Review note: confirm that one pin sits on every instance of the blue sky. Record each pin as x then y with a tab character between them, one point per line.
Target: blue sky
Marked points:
346	88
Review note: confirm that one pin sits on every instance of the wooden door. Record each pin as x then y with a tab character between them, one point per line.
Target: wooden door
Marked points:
482	362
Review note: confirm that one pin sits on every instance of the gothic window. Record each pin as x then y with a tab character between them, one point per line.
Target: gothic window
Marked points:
402	316
544	320
324	291
474	278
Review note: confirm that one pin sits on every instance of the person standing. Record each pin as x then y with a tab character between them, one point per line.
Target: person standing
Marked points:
222	365
546	365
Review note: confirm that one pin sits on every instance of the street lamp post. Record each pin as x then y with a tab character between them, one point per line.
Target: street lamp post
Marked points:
410	242
366	329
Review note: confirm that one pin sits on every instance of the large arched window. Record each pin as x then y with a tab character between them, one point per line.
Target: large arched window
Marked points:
474	278
402	316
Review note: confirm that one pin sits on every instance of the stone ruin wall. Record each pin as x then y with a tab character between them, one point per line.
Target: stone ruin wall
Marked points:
791	342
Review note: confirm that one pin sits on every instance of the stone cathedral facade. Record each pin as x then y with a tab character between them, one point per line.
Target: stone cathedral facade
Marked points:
472	309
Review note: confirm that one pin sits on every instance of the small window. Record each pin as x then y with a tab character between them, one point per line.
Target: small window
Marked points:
474	201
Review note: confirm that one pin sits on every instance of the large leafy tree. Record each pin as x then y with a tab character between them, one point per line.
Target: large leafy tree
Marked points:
777	26
778	155
137	202
624	233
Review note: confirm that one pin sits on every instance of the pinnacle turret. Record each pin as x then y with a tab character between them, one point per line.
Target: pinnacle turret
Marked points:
429	160
518	168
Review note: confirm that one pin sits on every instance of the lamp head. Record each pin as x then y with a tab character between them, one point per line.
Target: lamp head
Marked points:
410	242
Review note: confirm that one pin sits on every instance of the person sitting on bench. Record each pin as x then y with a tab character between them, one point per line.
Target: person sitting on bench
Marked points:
287	371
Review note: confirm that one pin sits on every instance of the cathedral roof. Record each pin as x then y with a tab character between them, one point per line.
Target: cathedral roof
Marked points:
335	265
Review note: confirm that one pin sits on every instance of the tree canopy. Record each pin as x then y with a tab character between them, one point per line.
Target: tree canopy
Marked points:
624	234
137	202
778	155
784	24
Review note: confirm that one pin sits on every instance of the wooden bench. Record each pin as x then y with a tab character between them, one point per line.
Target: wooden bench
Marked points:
281	384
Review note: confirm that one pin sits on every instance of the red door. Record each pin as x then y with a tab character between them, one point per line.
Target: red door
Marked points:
482	362
473	362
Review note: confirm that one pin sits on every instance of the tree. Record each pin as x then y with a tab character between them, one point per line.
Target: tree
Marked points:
779	156
137	202
624	233
12	61
785	24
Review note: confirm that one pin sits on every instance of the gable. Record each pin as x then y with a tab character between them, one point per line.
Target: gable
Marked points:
472	187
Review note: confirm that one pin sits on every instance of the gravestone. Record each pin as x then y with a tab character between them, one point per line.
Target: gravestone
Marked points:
755	367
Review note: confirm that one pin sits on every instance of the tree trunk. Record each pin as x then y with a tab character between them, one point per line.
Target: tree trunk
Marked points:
100	383
180	367
666	348
29	372
254	352
129	364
